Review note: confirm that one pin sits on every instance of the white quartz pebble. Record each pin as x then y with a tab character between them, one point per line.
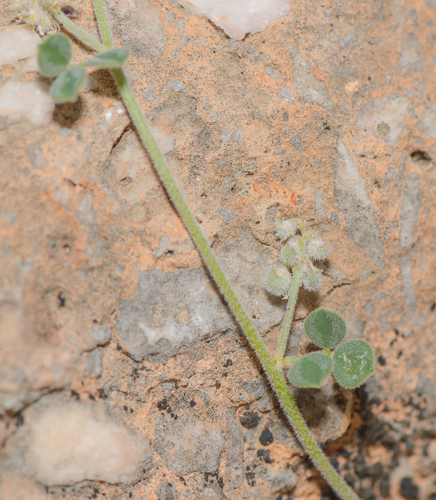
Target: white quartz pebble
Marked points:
239	17
17	42
26	100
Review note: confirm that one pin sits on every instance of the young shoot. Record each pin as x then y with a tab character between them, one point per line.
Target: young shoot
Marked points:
353	361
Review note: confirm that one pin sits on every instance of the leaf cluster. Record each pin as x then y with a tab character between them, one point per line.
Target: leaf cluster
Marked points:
54	56
351	362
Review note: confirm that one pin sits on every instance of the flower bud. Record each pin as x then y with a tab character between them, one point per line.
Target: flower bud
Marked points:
317	249
286	229
278	280
312	278
290	253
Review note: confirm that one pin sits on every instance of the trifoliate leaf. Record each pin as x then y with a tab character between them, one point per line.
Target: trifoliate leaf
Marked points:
325	328
110	59
67	85
54	54
310	371
353	363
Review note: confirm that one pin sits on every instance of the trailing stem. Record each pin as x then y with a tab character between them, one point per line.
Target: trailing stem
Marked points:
272	370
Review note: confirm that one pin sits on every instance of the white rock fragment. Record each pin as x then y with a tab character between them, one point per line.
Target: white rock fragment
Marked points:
68	443
239	17
427	123
286	94
26	100
408	286
410	206
355	203
101	336
307	85
384	118
17	42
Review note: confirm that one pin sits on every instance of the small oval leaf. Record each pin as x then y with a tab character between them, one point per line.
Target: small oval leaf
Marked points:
311	370
54	54
325	328
112	58
67	85
353	363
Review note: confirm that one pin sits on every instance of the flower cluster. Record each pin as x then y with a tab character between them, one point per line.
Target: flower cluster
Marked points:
34	12
298	253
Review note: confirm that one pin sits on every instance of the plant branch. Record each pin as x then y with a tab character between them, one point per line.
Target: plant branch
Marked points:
103	22
289	315
273	372
77	31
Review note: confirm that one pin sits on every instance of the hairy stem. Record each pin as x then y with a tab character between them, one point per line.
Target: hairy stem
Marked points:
273	372
290	309
77	31
103	22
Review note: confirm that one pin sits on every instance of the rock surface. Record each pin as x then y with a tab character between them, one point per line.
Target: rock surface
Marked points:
106	312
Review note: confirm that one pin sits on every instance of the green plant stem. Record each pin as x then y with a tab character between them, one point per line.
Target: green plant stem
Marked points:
273	372
77	31
290	309
104	26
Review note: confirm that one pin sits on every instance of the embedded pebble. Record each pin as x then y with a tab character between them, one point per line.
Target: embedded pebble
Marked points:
101	336
320	209
411	57
308	87
411	204
85	211
427	123
208	494
408	286
94	363
161	322
239	17
384	118
234	458
17	42
69	442
354	202
286	94
187	445
28	100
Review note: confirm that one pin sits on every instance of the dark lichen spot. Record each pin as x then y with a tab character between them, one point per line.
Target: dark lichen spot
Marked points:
408	488
266	437
249	419
62	300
